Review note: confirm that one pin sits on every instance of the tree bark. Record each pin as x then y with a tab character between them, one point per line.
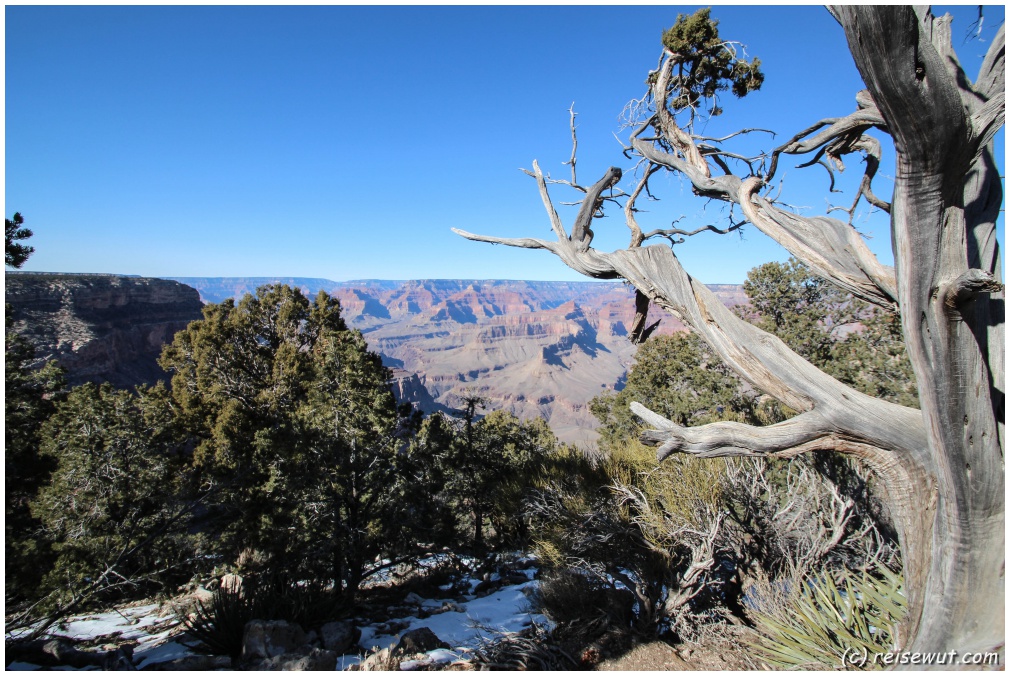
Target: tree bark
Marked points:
945	202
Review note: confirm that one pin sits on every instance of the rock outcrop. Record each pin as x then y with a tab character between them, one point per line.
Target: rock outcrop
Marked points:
102	328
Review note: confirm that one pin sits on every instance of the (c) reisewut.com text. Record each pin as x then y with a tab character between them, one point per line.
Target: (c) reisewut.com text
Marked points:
860	658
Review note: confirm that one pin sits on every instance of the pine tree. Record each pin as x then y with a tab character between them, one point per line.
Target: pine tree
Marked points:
15	255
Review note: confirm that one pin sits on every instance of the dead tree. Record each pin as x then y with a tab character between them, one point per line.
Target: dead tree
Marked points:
942	465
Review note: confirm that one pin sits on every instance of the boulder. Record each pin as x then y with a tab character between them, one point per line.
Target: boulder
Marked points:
488	587
187	603
515	577
413	599
418	641
339	636
231	583
57	652
306	659
265	639
382	660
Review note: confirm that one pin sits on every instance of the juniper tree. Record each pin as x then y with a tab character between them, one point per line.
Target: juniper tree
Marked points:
237	376
110	509
941	463
859	344
353	482
487	466
680	377
293	421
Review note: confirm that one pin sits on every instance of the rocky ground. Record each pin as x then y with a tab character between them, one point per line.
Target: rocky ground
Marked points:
450	627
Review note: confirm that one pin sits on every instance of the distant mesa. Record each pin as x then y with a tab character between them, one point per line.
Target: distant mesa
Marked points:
369	305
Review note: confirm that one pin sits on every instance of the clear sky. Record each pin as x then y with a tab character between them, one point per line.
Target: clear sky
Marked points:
345	142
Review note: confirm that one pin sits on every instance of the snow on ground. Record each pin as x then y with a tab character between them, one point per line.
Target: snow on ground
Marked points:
128	623
502	611
478	619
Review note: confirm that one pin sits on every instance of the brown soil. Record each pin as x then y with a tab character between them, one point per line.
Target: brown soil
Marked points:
659	656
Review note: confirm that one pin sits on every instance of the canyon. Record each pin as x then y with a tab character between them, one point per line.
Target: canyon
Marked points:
534	348
537	349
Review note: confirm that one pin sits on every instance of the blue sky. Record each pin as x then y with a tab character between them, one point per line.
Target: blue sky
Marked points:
345	142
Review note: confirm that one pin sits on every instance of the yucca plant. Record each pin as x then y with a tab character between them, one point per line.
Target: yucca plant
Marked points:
833	614
219	625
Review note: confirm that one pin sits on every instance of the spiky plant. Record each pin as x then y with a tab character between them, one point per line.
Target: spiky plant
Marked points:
219	625
831	616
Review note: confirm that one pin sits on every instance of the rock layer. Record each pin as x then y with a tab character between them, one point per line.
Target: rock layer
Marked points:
102	328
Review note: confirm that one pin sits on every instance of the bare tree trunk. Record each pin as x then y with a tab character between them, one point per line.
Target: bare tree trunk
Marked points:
946	200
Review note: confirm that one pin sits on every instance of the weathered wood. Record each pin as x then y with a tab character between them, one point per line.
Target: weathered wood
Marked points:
905	58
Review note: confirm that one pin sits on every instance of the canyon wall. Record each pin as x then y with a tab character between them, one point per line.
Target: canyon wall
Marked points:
100	327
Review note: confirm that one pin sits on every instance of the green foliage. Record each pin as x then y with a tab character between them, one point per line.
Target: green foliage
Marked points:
831	616
108	509
294	421
15	255
30	397
489	465
680	378
873	360
858	344
705	64
803	310
352	476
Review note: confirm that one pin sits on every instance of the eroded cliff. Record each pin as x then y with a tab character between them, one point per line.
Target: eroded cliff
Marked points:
102	328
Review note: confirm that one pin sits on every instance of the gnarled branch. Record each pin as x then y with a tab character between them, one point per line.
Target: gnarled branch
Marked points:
806	432
832	248
757	356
